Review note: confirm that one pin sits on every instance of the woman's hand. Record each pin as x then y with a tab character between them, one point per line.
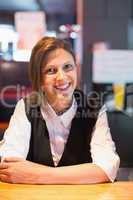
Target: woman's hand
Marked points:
18	170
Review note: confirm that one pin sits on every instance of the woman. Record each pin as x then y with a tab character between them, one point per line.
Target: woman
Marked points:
57	135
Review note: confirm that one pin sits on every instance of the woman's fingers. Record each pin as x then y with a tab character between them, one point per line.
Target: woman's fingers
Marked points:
4	178
4	172
4	165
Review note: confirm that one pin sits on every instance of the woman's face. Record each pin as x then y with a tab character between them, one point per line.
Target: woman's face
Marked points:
59	79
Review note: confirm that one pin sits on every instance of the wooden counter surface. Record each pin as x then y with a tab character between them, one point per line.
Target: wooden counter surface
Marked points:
109	191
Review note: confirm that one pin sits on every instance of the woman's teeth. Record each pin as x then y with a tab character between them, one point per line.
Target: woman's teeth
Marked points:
63	87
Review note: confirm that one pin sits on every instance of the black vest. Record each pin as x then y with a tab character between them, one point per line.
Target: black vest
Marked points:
77	148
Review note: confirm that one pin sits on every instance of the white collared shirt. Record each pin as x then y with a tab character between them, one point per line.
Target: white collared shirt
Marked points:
17	136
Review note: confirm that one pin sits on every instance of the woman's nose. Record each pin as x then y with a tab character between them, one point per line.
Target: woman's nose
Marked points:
60	75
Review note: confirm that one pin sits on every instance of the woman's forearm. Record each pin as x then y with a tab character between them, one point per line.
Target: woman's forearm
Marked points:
76	174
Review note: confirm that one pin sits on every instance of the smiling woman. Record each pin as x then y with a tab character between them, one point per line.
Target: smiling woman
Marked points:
57	135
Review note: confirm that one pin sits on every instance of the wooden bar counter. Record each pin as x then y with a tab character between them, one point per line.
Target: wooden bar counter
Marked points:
107	191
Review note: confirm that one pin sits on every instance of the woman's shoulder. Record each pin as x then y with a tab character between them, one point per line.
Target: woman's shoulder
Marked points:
19	110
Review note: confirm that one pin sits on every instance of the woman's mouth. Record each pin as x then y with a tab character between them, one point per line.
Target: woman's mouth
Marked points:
63	87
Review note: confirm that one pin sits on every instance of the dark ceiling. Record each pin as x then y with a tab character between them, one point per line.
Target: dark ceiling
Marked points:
49	6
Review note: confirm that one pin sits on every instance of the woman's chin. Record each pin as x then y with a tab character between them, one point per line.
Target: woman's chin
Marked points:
64	97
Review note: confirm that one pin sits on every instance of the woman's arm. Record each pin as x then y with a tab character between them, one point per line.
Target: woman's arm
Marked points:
16	170
17	136
103	150
79	174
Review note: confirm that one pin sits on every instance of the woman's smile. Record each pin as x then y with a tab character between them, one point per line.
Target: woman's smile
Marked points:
64	88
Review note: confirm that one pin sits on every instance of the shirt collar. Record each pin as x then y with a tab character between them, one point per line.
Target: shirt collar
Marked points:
65	118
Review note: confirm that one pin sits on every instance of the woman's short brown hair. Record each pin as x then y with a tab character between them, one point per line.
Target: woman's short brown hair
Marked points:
40	53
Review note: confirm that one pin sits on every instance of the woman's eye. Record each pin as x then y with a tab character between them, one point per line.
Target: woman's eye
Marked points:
50	71
68	67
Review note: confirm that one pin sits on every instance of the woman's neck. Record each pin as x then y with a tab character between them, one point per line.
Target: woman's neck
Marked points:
60	106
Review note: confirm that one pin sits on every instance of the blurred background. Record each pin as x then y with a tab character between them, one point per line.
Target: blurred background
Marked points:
101	33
